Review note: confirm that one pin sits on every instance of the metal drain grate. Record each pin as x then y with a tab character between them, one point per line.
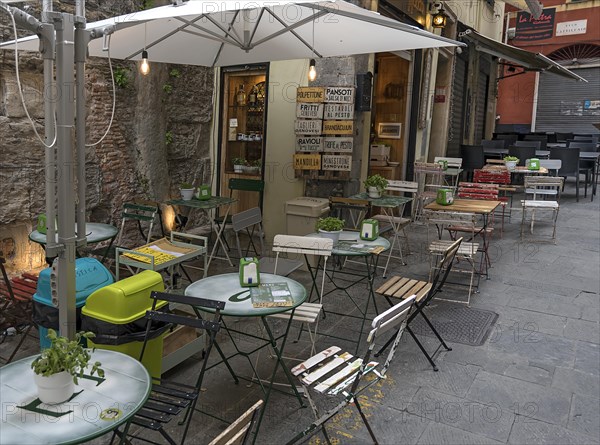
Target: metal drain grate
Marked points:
457	324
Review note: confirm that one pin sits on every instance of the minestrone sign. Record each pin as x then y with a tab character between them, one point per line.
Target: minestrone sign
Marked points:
338	145
309	143
310	94
339	111
339	95
338	127
337	162
307	162
310	110
306	126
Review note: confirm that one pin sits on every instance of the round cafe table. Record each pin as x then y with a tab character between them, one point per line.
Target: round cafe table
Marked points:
98	406
95	233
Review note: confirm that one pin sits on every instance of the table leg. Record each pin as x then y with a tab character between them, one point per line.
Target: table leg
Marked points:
219	232
279	361
108	249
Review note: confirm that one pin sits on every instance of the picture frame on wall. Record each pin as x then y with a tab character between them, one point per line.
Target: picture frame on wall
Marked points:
389	130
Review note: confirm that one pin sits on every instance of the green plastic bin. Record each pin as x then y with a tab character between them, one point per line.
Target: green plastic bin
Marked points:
116	314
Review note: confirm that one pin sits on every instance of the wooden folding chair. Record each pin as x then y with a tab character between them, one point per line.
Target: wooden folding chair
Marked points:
340	375
16	296
239	432
402	288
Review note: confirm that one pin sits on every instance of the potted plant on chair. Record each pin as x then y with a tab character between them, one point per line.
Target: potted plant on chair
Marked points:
511	162
57	368
330	227
187	191
375	185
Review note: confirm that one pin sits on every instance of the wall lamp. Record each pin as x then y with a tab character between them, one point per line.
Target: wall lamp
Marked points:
439	19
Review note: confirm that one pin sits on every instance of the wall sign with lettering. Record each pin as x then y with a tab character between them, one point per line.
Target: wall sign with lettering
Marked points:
339	111
337	162
307	126
307	162
339	95
309	143
338	127
344	145
310	94
309	110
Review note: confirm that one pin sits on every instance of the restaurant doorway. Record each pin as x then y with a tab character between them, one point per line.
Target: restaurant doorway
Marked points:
242	124
389	117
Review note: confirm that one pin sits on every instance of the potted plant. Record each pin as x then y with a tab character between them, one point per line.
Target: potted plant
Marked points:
255	166
511	162
375	185
187	191
57	368
238	165
330	227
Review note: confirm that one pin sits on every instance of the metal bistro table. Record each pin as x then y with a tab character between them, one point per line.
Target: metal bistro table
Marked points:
98	406
390	205
226	288
96	232
209	206
350	246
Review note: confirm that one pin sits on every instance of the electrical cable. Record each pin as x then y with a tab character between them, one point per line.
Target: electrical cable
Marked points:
114	99
19	86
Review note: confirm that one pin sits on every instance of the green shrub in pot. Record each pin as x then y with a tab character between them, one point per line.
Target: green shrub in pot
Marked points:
375	185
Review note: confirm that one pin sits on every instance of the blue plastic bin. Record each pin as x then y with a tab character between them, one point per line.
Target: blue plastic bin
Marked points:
90	275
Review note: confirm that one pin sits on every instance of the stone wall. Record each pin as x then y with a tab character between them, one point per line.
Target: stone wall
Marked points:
158	139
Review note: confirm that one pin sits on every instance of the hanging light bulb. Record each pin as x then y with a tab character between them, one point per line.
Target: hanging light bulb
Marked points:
145	66
312	72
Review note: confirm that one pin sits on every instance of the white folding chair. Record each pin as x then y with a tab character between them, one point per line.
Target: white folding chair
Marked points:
395	219
546	186
339	375
307	313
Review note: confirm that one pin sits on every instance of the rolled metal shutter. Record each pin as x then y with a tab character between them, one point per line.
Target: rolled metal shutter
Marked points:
457	112
482	97
566	105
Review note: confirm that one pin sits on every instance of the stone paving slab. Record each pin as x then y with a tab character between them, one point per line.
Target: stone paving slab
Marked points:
522	398
531	432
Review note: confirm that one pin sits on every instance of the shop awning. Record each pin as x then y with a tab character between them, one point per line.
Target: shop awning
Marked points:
198	32
528	60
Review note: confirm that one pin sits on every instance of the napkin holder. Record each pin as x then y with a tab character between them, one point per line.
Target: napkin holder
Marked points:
249	272
369	229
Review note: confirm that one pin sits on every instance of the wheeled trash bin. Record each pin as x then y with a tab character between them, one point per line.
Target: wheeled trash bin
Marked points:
90	275
116	314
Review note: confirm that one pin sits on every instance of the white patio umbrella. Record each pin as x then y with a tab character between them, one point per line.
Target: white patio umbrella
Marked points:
239	32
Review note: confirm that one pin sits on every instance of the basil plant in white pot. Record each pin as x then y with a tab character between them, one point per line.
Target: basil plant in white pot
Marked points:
330	227
375	185
58	367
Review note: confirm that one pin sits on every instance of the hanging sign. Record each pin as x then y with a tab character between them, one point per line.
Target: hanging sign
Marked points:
310	94
309	143
309	110
339	111
307	162
338	127
337	162
529	28
305	126
339	95
338	144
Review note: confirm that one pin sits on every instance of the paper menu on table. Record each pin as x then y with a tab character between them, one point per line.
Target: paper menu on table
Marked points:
271	295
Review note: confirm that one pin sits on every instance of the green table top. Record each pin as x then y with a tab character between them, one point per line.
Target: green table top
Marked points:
126	387
226	287
96	232
212	203
385	200
350	244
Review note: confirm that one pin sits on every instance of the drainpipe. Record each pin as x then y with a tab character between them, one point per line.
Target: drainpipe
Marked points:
80	136
535	100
